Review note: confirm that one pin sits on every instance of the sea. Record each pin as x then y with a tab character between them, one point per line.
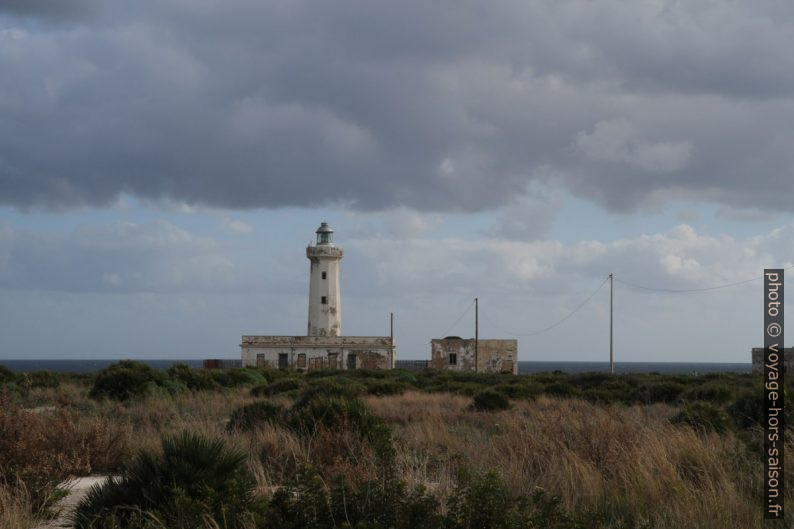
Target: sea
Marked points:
686	368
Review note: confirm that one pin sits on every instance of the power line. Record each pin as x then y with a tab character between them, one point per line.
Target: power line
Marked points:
459	318
558	322
689	290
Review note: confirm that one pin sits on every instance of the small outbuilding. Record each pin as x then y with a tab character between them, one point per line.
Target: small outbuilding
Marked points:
482	356
758	359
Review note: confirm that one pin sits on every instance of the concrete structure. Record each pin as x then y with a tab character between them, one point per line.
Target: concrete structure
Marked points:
758	359
318	352
325	302
324	347
489	356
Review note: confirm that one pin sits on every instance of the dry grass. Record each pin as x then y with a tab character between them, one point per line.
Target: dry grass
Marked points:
39	449
630	459
15	508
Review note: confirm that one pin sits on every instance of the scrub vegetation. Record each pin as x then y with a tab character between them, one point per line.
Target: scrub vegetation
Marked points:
249	448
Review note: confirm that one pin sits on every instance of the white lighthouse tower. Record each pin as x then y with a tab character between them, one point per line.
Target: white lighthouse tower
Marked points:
325	301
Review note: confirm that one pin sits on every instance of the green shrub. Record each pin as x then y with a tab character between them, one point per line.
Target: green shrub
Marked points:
127	380
337	387
193	379
562	389
277	387
716	392
703	416
386	387
591	380
519	391
307	416
599	396
250	416
651	392
6	375
308	501
748	409
193	479
43	379
490	400
483	501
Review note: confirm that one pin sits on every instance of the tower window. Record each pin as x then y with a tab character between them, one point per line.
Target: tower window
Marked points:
323	275
453	359
324	300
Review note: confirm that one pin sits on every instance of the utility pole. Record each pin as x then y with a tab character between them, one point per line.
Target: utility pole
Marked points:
611	354
391	337
476	335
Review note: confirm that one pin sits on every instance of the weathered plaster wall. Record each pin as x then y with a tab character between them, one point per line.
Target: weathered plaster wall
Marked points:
325	319
318	352
495	356
758	359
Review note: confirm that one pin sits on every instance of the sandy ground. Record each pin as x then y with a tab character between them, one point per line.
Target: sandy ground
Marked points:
78	488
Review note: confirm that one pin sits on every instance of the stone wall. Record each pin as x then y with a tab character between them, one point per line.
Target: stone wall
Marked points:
458	354
758	359
307	353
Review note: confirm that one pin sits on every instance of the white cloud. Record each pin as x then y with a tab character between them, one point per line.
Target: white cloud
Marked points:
236	226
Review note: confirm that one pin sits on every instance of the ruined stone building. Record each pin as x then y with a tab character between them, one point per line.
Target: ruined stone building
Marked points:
324	347
482	356
758	359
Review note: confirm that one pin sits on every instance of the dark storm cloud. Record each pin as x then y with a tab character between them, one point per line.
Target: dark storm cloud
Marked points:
50	8
434	106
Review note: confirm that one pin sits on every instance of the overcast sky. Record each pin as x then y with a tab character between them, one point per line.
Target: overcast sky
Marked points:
164	163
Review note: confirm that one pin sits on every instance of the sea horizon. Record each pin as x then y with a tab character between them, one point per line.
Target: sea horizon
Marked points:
524	366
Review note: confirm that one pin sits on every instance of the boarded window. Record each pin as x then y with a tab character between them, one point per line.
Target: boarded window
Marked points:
507	366
302	360
453	359
260	360
332	357
324	300
283	360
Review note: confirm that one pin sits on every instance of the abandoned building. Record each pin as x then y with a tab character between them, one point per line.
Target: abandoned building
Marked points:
482	356
758	359
324	347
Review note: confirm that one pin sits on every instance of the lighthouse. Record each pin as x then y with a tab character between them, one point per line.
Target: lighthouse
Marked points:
325	302
323	346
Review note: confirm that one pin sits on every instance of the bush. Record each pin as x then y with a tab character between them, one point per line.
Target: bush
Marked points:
490	400
6	375
386	503
250	416
703	416
597	395
38	451
519	391
127	380
43	379
339	414
277	387
386	387
562	389
649	393
748	409
193	379
718	393
195	478
484	501
233	378
339	387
